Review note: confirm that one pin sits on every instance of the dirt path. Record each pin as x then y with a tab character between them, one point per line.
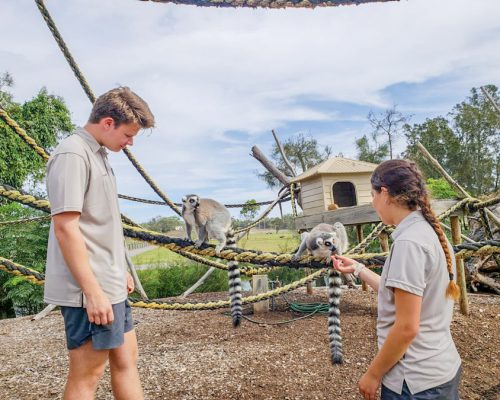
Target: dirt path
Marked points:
197	355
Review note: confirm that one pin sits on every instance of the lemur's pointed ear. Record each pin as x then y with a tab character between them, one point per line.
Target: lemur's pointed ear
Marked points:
341	234
316	244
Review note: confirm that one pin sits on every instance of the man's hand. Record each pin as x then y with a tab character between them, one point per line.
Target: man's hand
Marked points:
368	385
130	283
99	309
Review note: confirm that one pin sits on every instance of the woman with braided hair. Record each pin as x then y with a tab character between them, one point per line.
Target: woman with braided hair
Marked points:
417	358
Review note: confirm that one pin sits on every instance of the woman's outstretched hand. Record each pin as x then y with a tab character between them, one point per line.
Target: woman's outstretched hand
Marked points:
343	264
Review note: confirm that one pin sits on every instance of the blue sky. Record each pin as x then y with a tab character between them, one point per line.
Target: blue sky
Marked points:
218	80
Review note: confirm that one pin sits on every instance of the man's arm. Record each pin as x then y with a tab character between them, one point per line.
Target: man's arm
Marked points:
72	244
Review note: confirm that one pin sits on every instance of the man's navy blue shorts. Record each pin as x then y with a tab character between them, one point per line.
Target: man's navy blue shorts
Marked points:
104	337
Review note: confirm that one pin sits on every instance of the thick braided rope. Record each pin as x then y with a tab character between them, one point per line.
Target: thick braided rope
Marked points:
269	3
39	278
248	271
479	249
83	82
483	204
25	221
23	135
128	221
162	203
242	255
226	303
30	275
26	199
175	244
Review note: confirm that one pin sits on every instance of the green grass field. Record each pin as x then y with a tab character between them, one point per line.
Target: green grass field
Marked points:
282	242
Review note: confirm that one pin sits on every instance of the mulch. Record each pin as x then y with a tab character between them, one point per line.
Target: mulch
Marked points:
198	355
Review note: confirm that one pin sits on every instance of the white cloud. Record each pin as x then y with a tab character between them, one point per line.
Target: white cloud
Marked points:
209	72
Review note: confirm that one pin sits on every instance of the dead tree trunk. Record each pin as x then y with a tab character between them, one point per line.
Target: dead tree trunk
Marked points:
267	164
259	156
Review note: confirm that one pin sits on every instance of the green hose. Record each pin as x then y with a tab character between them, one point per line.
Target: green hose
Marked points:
308	308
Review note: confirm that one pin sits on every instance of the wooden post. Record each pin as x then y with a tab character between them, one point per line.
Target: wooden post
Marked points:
455	234
359	231
260	285
309	286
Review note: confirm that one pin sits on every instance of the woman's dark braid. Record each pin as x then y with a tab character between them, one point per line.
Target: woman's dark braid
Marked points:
452	291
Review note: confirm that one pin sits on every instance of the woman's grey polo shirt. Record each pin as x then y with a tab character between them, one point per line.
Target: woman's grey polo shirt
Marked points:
417	264
79	178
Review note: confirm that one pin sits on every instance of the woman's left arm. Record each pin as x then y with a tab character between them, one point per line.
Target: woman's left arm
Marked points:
398	340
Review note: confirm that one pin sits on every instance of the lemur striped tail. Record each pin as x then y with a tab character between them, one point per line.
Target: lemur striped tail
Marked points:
230	238
334	332
233	273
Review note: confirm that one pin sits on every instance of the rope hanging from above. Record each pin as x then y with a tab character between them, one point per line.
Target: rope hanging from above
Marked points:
270	3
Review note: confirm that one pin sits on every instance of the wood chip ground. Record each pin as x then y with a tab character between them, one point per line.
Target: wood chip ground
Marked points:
198	355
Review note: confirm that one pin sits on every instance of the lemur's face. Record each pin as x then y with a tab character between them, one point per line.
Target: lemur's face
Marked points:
190	201
326	245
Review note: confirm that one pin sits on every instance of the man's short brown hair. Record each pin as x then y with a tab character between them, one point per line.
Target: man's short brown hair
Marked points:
124	106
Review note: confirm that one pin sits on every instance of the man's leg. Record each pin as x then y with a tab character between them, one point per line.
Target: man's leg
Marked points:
86	367
124	374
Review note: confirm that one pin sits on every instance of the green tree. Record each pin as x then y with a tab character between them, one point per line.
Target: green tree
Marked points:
25	244
302	151
467	143
249	210
45	118
163	224
371	150
437	136
440	189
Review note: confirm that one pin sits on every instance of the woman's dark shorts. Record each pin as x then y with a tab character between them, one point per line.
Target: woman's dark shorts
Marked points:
104	337
446	391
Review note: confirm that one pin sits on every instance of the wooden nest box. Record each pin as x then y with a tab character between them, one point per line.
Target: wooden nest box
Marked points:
335	183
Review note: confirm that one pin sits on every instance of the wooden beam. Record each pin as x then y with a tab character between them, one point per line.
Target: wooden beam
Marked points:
455	234
259	156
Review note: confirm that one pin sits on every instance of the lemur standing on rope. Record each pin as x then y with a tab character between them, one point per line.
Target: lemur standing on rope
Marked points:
211	219
319	242
323	241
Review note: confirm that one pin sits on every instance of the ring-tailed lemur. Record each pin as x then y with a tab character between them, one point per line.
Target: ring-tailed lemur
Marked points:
233	273
210	218
323	241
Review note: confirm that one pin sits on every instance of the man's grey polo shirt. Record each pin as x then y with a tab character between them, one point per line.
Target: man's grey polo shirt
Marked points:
417	265
79	178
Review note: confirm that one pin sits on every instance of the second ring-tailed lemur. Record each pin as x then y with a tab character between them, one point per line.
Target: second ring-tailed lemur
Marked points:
323	241
210	219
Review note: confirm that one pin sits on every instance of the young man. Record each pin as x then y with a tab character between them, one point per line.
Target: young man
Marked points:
86	267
